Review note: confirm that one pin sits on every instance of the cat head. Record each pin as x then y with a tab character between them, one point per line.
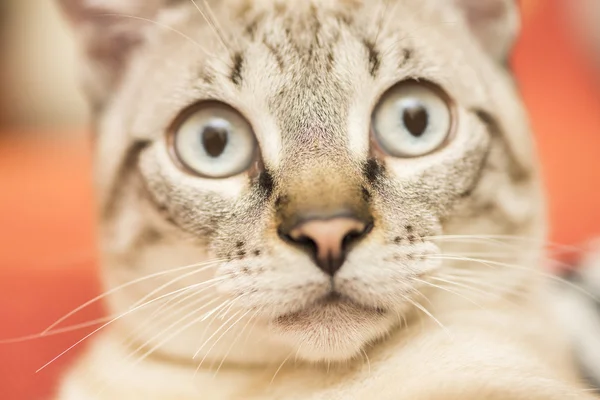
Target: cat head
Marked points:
318	155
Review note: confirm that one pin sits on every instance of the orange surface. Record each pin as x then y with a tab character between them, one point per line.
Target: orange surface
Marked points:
564	106
46	258
47	243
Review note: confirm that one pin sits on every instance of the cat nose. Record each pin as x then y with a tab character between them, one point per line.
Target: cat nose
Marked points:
327	239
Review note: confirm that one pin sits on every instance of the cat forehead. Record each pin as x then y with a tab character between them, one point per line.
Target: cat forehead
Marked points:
305	74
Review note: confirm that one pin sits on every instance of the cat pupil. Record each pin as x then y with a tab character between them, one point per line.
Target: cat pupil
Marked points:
214	140
415	119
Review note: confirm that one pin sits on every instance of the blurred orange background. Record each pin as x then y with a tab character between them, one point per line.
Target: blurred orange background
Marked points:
47	245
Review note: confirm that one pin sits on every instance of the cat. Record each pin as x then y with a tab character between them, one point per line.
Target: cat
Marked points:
264	234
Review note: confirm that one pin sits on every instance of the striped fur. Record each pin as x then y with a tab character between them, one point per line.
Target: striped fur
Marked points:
227	295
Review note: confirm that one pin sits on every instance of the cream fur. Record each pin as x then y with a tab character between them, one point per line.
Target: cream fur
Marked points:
307	76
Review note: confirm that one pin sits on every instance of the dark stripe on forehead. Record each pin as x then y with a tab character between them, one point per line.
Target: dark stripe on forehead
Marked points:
275	52
236	69
374	57
406	56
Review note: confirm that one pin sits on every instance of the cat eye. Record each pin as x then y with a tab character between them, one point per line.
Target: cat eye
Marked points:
412	119
213	140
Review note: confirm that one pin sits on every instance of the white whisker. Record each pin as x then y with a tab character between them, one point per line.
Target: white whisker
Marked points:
367	359
281	366
461	281
236	339
104	326
154	319
173	334
167	27
519	267
212	23
58	331
213	335
220	337
426	312
178	279
123	286
498	239
449	291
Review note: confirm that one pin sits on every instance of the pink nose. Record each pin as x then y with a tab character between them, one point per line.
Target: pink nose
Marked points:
327	239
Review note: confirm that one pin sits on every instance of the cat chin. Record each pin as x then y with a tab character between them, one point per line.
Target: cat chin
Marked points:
332	331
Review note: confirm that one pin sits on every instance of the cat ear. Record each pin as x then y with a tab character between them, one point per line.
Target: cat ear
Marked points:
495	23
107	31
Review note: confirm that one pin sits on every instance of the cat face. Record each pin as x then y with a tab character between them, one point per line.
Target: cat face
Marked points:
312	154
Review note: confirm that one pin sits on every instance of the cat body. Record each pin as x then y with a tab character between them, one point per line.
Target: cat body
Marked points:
315	200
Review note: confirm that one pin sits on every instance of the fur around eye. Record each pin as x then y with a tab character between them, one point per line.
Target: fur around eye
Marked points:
212	140
412	119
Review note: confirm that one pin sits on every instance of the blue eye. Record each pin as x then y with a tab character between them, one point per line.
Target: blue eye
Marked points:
214	141
412	119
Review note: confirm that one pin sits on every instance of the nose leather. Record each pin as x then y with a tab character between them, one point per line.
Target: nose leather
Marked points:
327	239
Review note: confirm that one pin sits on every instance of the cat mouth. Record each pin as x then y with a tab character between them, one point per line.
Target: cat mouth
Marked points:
336	298
334	302
332	328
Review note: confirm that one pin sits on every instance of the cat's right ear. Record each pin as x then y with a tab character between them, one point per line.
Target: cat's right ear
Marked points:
494	23
107	32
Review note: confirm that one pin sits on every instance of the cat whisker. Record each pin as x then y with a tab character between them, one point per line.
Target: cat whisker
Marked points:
383	18
172	334
281	366
217	309
481	279
170	304
367	360
220	337
124	286
162	341
462	283
502	239
491	263
505	254
252	327
224	312
449	291
163	26
418	293
55	332
162	310
297	353
178	279
212	23
154	319
113	320
426	312
402	40
254	316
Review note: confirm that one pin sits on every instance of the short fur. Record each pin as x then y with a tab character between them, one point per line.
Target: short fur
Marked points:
307	76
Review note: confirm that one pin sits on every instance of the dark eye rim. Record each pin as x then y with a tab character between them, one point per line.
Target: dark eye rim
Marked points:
377	147
183	116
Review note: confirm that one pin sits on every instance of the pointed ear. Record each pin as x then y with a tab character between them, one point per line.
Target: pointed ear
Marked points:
106	35
495	24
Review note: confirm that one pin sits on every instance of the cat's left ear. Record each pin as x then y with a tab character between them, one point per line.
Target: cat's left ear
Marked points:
495	24
108	31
